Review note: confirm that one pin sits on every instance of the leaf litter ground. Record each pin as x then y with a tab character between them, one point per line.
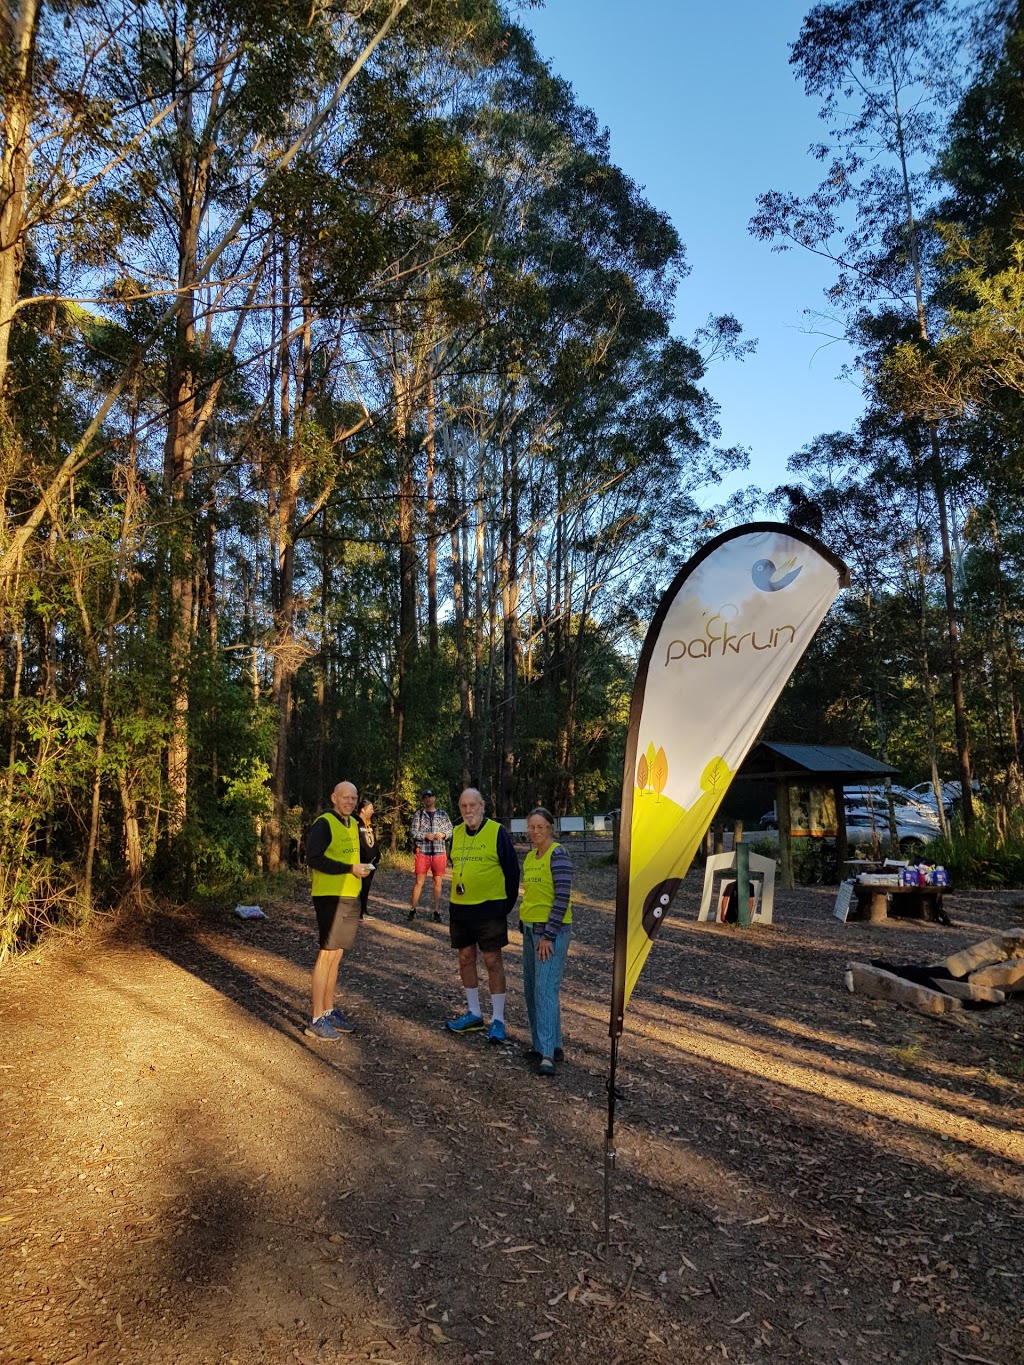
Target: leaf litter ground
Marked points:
803	1175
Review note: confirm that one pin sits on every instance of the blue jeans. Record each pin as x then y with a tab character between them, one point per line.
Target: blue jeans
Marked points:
542	982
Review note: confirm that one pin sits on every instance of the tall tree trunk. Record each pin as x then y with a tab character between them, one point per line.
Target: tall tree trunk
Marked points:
509	568
180	443
431	527
460	624
963	744
284	512
929	688
407	584
938	482
1014	776
18	38
479	700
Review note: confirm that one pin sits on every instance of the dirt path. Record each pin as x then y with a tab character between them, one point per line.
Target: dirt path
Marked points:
803	1175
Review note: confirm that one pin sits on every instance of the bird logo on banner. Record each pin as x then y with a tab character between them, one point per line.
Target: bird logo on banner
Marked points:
771	579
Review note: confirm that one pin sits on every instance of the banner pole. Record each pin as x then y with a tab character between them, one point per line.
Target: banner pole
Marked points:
725	617
609	1142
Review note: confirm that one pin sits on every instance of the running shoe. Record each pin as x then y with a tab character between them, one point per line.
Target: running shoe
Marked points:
338	1021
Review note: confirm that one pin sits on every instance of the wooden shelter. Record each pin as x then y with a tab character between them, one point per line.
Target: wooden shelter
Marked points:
810	765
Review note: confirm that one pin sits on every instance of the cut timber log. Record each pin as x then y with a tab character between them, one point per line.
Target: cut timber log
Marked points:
984	954
1013	942
1006	976
968	990
863	979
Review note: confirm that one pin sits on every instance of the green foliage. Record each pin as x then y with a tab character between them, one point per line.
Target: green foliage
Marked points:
814	862
990	855
47	765
388	496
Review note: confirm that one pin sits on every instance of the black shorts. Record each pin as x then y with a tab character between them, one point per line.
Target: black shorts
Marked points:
489	935
337	918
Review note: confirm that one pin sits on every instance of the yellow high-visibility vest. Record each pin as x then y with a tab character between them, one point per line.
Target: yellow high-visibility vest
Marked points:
539	889
343	848
475	865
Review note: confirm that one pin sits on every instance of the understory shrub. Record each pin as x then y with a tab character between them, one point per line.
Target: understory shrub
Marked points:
987	856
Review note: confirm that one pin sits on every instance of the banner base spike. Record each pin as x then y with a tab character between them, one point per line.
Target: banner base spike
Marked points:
609	1170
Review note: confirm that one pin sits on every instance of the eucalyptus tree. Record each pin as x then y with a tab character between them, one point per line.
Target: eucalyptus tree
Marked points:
871	501
969	371
64	140
886	73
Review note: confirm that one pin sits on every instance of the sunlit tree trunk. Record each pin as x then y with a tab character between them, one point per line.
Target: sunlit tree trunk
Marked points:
18	26
509	574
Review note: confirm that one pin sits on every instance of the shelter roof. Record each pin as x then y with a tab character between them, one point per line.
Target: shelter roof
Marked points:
839	763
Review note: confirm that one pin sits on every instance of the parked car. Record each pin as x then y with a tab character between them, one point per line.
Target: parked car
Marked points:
903	807
864	825
874	797
925	793
769	820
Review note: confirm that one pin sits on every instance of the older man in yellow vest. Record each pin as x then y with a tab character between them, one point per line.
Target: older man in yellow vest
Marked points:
332	851
485	884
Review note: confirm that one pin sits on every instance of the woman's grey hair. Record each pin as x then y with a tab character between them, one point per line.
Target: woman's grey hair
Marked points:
544	813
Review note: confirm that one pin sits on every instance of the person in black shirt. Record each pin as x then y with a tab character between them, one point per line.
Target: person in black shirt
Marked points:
369	851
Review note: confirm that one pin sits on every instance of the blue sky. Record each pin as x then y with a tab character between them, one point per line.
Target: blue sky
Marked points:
704	112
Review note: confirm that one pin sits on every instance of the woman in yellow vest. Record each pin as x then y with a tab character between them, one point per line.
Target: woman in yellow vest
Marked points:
545	917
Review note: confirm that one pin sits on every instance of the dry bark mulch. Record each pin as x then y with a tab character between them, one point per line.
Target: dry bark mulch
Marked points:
803	1174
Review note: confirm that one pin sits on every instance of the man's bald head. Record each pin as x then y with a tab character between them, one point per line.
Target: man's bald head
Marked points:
344	798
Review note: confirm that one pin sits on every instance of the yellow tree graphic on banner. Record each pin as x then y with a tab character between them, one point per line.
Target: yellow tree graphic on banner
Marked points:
659	773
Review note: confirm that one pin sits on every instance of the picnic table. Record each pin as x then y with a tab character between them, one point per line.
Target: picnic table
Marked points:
876	903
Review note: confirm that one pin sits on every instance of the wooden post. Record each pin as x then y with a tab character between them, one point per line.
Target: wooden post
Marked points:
842	842
742	882
785	846
718	838
737	833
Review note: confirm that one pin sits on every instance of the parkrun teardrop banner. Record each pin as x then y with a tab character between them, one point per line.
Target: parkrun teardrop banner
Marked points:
724	640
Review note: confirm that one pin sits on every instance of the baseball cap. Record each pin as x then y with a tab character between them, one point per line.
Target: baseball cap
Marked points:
426	792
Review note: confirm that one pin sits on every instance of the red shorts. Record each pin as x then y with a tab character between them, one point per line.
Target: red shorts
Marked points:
435	863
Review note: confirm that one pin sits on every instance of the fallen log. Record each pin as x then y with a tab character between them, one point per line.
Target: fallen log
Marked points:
863	979
1004	976
985	954
968	990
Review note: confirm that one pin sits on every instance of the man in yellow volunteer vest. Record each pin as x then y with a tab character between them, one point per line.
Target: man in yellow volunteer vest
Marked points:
332	851
485	884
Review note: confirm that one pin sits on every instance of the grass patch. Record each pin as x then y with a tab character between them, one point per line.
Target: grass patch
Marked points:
907	1055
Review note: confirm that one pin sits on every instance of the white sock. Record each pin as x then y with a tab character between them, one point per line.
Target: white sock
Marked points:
498	1008
473	999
